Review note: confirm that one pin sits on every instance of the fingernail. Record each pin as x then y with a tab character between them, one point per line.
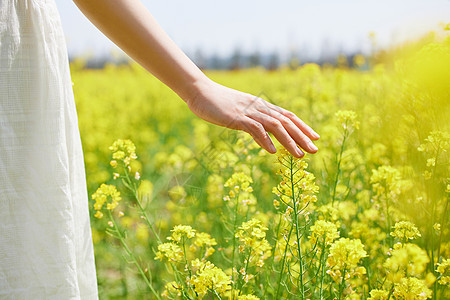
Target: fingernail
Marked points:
316	135
300	152
272	148
312	146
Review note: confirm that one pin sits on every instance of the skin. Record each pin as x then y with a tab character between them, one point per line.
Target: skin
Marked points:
131	27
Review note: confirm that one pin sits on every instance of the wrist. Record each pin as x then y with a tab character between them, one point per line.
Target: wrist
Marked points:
191	91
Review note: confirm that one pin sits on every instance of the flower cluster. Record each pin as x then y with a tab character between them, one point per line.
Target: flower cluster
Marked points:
405	230
378	295
123	150
252	235
348	119
170	251
204	240
345	254
325	231
385	179
411	288
406	259
101	196
297	186
208	277
239	184
437	141
171	289
444	270
180	231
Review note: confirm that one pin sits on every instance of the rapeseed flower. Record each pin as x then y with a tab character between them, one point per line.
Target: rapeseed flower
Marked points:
296	184
252	235
437	141
209	277
101	196
123	150
378	295
170	251
411	288
171	289
407	259
444	270
405	230
345	254
324	230
180	231
348	119
386	179
239	182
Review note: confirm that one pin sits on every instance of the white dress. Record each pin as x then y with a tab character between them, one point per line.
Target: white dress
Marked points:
46	249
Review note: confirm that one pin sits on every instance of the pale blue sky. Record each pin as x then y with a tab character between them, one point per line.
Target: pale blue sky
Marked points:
270	25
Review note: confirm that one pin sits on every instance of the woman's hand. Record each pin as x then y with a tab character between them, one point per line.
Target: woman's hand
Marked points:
237	110
131	26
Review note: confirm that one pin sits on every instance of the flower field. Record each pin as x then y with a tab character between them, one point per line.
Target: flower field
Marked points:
182	209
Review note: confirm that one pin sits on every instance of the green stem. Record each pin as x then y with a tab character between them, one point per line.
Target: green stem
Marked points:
131	255
323	271
341	285
298	235
338	172
245	270
234	241
283	263
274	250
141	208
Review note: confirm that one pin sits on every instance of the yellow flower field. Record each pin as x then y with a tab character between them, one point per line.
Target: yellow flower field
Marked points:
182	209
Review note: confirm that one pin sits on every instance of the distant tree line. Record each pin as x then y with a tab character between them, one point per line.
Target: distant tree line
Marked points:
239	60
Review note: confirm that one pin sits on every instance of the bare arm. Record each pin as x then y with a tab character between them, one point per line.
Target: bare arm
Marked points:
131	27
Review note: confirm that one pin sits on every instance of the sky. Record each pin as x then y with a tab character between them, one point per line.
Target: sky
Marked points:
221	27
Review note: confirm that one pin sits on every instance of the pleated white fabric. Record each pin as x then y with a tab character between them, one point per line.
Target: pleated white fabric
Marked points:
46	249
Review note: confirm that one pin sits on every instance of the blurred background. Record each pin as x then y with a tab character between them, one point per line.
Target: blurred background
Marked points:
371	77
238	34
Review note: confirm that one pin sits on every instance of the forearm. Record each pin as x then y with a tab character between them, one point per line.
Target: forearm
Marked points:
131	27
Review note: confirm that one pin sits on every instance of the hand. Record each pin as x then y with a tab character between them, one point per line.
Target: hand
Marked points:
237	110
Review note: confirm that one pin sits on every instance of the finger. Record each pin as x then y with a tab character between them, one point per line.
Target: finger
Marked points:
299	137
293	117
274	126
259	134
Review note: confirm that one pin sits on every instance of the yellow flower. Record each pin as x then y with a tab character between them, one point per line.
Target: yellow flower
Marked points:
296	184
113	163
437	141
239	183
378	295
345	254
101	197
98	214
444	269
405	230
411	288
123	150
181	230
437	227
407	259
323	229
204	239
209	277
172	252
347	118
170	289
252	236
